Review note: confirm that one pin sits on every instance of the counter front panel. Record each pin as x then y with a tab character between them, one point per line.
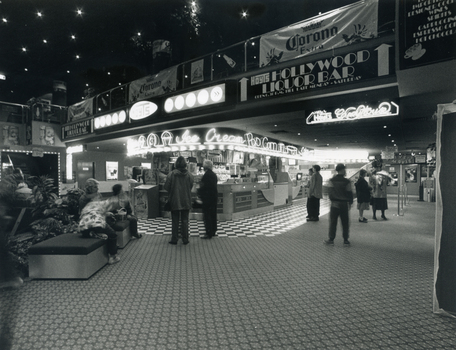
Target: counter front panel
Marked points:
242	201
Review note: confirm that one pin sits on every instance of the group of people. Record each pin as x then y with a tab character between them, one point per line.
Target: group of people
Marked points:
372	193
97	217
179	184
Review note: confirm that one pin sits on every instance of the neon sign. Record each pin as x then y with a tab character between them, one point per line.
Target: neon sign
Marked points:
188	141
384	109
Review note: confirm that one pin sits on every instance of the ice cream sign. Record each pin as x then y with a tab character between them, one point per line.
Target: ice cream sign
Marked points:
384	109
190	140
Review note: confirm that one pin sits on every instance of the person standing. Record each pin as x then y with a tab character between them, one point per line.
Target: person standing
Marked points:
209	196
179	183
315	194
379	183
308	193
362	195
341	196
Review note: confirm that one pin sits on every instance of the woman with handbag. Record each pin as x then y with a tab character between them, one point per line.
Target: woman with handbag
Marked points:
120	202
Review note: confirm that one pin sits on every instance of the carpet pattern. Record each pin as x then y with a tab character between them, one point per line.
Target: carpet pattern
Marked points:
288	292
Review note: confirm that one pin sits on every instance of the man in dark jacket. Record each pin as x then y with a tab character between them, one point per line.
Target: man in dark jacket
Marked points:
209	196
341	196
179	183
315	194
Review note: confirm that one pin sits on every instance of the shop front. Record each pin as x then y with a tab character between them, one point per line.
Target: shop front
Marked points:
255	174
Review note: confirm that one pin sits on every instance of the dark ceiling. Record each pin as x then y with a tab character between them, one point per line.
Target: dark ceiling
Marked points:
106	36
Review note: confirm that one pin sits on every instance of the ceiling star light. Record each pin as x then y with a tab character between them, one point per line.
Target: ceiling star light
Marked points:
24	49
45	41
73	37
39	14
79	12
4	20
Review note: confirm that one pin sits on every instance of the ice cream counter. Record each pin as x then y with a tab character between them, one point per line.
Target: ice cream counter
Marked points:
245	199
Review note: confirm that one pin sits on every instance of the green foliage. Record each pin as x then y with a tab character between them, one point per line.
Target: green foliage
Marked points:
52	216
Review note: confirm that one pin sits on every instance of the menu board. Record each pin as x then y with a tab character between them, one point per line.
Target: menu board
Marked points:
427	32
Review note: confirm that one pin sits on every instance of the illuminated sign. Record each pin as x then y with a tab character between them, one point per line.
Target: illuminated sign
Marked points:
107	120
167	142
77	129
228	139
142	109
74	149
199	98
384	109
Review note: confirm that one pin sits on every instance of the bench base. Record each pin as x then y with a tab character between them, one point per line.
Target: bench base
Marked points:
122	229
62	266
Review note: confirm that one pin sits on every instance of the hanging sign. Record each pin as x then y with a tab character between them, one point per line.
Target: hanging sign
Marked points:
383	109
81	110
341	27
153	85
347	68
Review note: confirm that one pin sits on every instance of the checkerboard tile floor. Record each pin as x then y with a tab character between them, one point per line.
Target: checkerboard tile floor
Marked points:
267	224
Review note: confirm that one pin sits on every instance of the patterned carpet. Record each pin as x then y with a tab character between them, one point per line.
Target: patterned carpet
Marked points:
285	292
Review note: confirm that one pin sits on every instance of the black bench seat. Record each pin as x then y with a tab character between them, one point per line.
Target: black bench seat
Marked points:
67	256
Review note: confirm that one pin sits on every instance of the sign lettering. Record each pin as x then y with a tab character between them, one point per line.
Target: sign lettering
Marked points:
384	109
